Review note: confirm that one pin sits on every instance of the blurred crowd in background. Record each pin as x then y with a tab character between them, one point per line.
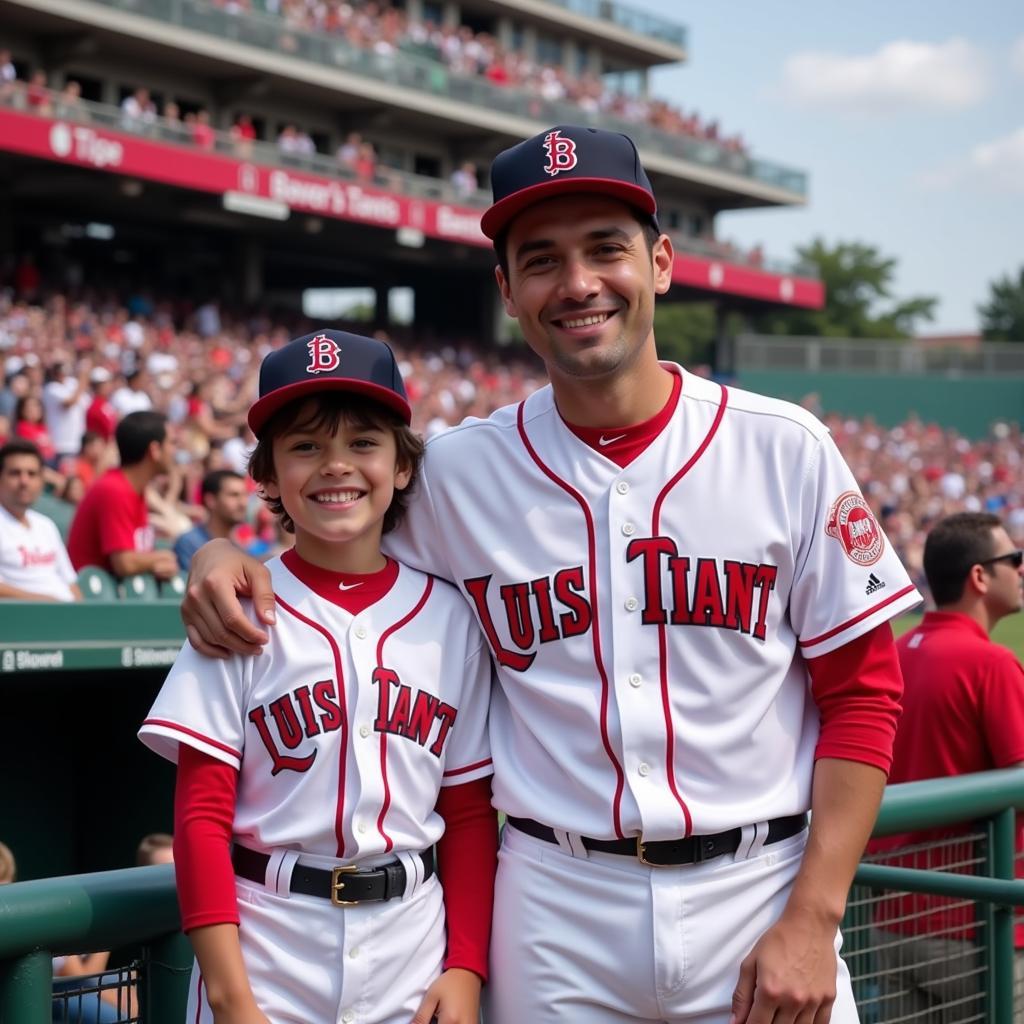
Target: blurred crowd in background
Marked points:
198	365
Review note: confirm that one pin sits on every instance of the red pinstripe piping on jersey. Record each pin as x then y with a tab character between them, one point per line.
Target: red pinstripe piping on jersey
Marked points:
670	736
468	768
385	806
339	809
165	724
599	661
857	618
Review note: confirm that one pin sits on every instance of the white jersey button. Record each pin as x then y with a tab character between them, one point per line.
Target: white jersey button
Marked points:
354	952
628	529
622	487
635	679
361	632
644	769
347	1017
364	731
361	827
631	604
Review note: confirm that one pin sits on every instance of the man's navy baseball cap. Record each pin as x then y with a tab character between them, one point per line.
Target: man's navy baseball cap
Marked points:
564	160
329	361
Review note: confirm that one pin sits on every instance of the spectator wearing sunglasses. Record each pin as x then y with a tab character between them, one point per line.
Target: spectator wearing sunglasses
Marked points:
963	711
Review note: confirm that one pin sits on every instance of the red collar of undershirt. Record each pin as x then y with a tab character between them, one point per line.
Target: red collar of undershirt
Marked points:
953	620
349	590
623	444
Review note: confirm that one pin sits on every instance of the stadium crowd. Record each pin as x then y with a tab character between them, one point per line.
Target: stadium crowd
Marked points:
388	32
73	369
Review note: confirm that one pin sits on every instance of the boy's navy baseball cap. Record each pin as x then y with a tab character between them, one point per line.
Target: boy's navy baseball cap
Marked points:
563	160
329	361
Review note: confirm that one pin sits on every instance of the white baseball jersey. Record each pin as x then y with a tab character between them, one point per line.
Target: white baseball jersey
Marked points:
647	622
33	556
347	726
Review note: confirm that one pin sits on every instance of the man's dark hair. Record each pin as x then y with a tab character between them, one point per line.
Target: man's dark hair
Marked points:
651	235
19	446
136	432
952	548
214	481
328	410
87	439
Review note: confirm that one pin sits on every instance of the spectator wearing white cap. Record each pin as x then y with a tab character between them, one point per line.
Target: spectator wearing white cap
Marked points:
101	416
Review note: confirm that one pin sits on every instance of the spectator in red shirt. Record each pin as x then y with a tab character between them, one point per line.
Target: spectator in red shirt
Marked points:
29	424
101	416
243	135
963	712
111	526
203	134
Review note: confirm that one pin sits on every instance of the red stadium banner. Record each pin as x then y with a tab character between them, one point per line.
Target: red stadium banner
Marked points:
102	149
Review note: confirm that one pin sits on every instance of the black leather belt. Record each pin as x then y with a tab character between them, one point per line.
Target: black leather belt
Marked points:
344	886
667	853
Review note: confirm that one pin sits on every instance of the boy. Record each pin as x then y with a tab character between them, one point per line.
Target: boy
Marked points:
337	761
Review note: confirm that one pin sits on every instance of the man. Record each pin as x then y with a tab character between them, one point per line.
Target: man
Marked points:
963	712
34	564
101	416
65	401
111	526
658	564
133	395
226	500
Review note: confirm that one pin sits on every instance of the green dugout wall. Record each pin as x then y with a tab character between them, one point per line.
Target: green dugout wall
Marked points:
77	789
970	404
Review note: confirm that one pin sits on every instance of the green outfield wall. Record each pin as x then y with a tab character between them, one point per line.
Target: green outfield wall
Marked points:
969	404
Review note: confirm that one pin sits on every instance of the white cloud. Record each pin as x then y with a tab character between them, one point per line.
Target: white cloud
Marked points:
993	166
1001	163
902	75
1017	56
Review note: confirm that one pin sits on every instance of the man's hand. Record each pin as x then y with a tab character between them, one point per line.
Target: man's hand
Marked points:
453	999
214	620
165	565
789	977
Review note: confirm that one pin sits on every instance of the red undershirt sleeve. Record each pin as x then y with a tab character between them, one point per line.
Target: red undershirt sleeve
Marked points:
857	688
467	858
204	812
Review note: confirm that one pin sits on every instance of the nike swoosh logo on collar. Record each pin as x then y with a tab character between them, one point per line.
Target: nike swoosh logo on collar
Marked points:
602	440
349	586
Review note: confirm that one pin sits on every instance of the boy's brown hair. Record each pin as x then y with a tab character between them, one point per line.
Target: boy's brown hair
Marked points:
327	409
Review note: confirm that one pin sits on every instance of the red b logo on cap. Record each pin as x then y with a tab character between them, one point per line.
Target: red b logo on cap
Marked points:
561	153
323	354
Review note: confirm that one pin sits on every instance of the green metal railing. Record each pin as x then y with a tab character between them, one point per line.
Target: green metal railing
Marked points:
137	909
970	891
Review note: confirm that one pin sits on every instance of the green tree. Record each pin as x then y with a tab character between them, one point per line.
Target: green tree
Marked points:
1002	317
685	331
858	297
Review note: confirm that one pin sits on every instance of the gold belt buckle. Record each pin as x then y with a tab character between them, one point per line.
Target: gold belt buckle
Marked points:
337	885
642	857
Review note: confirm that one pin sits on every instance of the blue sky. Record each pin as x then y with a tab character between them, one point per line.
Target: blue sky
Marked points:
908	116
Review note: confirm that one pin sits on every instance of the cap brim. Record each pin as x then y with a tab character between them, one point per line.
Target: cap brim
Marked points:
496	217
263	409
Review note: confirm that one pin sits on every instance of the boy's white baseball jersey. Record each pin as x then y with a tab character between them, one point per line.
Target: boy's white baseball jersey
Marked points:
343	731
647	622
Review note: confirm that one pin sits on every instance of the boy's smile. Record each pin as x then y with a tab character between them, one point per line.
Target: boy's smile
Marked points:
336	488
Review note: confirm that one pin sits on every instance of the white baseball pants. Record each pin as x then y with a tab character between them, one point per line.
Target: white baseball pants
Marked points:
601	939
313	963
